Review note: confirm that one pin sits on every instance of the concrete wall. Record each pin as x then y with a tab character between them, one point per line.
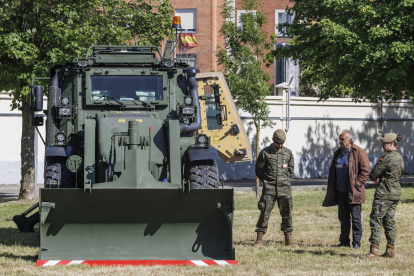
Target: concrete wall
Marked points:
312	135
314	129
10	142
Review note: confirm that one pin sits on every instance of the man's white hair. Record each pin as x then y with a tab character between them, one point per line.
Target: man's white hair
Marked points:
351	136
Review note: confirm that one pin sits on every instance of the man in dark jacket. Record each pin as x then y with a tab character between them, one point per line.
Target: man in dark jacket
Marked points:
348	172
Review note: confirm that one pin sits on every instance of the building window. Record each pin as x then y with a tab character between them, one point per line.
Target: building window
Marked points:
239	15
282	17
287	70
190	59
188	20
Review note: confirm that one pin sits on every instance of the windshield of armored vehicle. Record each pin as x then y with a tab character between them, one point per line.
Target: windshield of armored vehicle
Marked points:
127	88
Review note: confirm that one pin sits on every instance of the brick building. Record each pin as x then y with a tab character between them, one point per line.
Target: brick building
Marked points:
202	19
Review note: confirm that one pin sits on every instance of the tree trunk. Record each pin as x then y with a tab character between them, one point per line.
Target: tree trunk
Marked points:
257	156
28	181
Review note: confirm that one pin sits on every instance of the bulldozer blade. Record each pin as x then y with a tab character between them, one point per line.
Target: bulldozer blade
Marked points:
44	263
136	224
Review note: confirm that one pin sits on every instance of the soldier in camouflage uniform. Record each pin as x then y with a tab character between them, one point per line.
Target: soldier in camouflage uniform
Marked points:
386	175
274	167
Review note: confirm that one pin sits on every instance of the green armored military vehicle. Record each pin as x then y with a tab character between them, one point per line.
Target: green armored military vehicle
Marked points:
130	163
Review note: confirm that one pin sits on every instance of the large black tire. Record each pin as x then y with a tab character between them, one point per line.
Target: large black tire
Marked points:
56	170
203	174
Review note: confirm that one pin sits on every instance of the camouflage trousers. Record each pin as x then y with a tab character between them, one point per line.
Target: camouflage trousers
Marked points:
266	204
382	215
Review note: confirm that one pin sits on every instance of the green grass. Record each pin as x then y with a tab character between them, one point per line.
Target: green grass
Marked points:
316	229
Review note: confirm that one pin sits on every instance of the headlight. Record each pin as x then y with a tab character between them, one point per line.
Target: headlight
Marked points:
169	64
82	63
188	110
202	139
60	137
188	100
64	101
65	111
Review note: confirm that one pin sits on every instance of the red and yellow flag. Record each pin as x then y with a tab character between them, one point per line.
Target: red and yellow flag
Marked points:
188	40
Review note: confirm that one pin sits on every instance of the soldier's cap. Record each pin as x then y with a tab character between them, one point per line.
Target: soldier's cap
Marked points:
279	135
388	137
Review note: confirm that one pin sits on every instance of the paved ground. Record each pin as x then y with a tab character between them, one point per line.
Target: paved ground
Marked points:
12	191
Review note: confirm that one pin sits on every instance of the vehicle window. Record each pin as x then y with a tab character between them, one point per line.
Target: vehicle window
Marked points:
127	88
213	108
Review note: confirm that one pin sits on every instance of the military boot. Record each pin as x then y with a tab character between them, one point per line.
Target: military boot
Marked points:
259	240
288	238
390	252
373	253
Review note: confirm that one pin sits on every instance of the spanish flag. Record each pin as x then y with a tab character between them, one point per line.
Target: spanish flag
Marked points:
188	40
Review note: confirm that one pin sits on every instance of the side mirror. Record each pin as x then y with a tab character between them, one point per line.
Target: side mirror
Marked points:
36	97
38	93
36	104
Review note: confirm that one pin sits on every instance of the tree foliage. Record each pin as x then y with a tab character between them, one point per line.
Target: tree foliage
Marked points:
243	59
35	35
365	47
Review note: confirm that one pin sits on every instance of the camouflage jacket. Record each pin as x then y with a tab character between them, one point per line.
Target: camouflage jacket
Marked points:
275	169
389	170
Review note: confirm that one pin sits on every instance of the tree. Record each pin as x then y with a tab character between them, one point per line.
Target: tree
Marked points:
364	48
35	35
243	59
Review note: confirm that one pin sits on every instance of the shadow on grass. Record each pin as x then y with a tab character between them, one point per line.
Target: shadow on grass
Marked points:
12	237
319	252
7	199
252	241
301	244
410	200
30	258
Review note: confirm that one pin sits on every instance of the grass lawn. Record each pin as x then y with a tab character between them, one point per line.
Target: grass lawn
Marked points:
316	229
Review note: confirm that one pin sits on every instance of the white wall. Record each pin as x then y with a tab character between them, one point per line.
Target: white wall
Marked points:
10	142
314	141
311	141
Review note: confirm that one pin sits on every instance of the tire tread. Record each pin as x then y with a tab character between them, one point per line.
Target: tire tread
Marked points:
203	174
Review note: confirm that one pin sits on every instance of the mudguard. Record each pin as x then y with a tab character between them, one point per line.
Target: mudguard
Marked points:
58	151
195	154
